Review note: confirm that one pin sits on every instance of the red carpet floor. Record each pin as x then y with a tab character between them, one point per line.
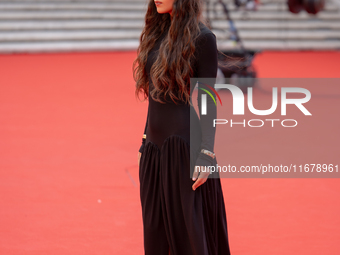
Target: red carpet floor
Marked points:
70	129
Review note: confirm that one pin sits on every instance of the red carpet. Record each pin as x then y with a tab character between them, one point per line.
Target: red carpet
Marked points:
70	129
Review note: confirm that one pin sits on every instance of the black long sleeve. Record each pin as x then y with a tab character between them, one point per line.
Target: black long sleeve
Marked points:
207	64
141	149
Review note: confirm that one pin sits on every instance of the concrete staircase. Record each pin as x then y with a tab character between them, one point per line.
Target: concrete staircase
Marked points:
84	25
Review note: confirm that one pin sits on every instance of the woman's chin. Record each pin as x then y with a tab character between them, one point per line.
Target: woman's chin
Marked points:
160	11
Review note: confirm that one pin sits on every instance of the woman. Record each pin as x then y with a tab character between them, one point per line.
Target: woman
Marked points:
181	215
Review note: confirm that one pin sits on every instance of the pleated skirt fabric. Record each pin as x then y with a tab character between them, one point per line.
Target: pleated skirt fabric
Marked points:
176	219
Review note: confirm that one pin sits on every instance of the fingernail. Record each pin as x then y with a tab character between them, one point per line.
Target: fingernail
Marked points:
194	179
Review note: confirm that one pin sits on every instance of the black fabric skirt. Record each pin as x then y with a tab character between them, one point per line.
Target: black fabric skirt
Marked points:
176	219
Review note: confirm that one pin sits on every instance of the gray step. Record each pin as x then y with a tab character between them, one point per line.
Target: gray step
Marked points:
81	14
283	45
133	44
257	25
70	25
135	34
228	2
57	6
284	35
135	24
69	35
97	45
284	15
136	15
272	7
139	6
81	1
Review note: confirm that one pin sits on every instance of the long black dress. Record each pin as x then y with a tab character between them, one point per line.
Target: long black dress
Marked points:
176	218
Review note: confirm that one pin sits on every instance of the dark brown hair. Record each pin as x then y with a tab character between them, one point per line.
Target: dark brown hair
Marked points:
172	69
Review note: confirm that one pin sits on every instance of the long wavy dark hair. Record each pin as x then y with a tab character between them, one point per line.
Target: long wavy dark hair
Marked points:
172	69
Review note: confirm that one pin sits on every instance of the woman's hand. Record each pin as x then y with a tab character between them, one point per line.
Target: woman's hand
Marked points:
139	155
202	174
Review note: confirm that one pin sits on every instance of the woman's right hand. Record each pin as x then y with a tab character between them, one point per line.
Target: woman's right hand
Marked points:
139	155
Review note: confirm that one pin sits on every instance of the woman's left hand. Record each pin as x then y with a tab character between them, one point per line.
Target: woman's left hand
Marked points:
199	177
